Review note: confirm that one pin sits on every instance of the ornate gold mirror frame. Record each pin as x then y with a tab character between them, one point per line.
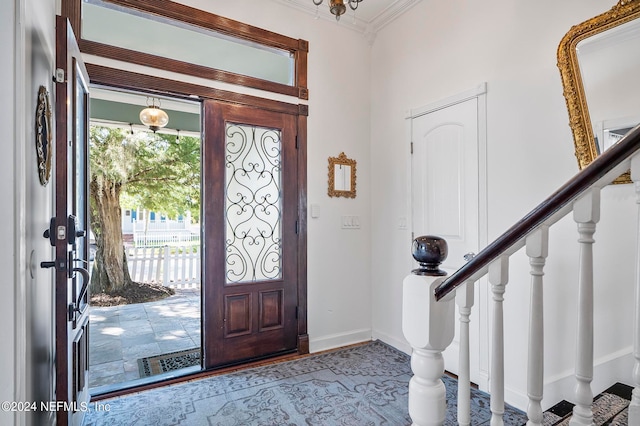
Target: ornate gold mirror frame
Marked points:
574	92
342	176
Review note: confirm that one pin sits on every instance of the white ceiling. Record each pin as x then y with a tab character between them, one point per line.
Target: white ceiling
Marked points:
370	16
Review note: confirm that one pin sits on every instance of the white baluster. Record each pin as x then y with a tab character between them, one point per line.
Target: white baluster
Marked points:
464	300
586	213
498	277
429	328
634	406
537	250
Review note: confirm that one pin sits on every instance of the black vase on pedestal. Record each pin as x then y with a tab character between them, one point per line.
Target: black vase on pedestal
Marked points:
429	251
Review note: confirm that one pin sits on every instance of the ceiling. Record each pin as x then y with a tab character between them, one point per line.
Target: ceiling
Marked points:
371	16
116	108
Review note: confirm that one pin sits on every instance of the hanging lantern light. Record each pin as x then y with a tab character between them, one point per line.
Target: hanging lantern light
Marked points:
152	116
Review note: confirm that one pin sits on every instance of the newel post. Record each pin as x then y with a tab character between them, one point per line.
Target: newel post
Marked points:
428	326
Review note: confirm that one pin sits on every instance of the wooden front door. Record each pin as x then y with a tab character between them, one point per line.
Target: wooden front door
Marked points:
250	191
68	231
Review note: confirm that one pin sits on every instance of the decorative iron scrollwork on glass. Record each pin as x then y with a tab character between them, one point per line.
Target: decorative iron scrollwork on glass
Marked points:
253	203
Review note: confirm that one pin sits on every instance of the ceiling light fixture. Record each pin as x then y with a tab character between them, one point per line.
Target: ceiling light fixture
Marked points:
337	7
152	116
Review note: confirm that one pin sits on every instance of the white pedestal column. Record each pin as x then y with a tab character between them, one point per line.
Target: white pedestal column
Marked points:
429	327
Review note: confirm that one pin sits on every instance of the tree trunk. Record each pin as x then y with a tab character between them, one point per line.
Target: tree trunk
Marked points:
110	271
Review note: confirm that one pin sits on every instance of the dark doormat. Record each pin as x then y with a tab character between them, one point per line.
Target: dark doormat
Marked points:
152	365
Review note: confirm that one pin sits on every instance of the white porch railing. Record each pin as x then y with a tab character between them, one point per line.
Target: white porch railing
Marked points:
176	267
428	301
152	238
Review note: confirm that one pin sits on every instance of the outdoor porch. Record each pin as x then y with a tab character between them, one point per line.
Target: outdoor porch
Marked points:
121	335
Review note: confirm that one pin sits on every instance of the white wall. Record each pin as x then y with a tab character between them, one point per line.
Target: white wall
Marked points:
439	49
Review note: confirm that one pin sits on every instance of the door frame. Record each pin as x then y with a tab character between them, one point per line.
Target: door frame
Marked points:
117	78
482	306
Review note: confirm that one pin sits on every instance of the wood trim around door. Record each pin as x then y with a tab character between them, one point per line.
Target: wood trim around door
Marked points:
127	80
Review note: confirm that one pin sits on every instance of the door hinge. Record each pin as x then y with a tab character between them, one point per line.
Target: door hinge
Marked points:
297	311
297	142
411	147
59	76
297	226
412	236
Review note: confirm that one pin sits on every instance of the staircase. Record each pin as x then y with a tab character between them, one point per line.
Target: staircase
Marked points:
429	299
609	408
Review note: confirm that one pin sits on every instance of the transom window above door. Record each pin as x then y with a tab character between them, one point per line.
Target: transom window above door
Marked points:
155	33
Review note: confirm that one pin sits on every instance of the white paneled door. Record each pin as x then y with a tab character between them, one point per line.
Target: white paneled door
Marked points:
445	190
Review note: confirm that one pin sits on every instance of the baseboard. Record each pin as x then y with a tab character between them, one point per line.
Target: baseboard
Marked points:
607	370
333	341
399	344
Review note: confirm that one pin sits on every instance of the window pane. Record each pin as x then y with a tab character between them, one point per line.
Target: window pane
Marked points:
117	26
253	204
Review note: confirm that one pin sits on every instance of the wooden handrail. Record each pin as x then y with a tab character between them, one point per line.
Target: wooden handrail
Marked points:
602	166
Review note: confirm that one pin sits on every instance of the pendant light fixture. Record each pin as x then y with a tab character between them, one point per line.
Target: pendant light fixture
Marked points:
337	7
152	116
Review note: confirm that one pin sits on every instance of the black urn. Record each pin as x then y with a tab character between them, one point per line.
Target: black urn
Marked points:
430	251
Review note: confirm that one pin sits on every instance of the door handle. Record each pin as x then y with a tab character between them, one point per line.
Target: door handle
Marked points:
75	306
85	282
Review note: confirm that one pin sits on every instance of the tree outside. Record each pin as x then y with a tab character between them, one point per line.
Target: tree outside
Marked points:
157	172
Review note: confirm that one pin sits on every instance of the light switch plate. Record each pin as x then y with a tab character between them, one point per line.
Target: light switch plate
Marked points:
350	222
315	211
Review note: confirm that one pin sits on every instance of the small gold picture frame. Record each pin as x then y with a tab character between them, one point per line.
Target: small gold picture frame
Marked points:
342	176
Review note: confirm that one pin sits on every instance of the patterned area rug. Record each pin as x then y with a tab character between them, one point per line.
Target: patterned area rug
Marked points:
153	365
361	385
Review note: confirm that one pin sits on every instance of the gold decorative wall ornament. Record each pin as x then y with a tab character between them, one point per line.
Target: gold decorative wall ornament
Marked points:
342	176
43	135
574	92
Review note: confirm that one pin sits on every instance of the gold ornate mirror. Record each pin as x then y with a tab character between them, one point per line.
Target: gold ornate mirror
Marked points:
342	176
599	64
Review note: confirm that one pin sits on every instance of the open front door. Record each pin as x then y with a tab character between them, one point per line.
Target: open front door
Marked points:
68	232
250	191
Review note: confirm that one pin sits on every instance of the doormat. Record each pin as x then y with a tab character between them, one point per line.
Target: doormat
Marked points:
158	364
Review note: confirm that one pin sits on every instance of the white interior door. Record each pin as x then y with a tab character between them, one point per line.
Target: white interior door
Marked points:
445	193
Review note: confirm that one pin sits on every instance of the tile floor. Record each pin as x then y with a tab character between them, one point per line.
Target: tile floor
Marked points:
120	335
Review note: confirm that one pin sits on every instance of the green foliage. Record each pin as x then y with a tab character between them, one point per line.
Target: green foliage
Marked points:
156	171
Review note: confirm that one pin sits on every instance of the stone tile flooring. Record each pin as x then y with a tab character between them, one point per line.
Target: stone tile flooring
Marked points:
120	335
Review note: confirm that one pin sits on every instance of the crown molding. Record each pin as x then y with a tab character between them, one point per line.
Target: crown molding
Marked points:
367	28
391	12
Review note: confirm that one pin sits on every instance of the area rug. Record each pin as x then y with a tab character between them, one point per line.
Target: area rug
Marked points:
150	366
355	386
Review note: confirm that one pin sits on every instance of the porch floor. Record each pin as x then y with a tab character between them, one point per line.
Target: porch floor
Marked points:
120	335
